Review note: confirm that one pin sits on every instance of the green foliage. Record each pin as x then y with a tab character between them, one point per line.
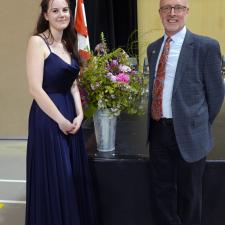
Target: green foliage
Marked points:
109	82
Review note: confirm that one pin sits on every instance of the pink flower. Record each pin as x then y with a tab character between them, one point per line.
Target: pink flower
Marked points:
123	77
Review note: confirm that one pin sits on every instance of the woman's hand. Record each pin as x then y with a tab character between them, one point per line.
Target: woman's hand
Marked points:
66	126
77	123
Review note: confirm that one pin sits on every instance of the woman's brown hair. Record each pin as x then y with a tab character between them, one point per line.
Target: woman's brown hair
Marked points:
69	37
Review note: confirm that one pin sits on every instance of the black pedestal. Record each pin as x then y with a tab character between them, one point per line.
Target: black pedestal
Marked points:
122	188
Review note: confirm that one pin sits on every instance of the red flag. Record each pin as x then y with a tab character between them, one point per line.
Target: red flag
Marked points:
80	25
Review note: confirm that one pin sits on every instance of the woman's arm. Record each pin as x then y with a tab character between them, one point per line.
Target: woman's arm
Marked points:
34	66
78	106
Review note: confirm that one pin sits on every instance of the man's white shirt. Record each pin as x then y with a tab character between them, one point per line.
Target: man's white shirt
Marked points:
171	66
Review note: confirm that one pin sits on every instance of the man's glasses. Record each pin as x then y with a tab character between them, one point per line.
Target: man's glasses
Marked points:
176	8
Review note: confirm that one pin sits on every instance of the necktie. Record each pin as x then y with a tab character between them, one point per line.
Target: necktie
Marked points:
156	108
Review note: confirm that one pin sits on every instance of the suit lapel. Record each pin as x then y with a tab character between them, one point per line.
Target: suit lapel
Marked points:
185	54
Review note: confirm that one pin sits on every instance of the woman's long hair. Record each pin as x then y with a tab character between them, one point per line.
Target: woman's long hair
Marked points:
69	37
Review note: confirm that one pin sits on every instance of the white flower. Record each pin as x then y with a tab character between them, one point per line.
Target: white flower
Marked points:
124	68
92	87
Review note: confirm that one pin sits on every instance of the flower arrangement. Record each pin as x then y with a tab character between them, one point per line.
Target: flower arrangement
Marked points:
109	82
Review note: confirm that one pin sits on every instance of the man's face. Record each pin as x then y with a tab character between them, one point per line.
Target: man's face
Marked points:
173	14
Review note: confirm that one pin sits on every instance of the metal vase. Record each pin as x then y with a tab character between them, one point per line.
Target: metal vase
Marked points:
105	130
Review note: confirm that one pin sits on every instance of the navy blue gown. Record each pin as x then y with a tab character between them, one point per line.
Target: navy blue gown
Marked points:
59	190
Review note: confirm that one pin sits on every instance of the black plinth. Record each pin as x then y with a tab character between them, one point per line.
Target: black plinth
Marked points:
122	182
122	188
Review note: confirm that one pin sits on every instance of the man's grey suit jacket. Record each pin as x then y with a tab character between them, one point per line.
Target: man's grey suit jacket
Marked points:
197	96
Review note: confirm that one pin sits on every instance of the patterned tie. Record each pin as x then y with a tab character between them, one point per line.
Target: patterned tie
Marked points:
156	109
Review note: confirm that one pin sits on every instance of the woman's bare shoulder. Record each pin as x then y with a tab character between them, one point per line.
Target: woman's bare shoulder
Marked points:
37	40
37	44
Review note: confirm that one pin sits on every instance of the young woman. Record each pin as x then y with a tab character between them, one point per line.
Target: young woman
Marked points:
58	183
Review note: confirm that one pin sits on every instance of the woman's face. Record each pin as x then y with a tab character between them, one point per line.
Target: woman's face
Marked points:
58	14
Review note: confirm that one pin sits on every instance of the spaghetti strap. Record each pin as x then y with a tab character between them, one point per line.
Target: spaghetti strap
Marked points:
44	38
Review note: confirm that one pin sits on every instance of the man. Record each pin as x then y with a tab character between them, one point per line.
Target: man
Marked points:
186	94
